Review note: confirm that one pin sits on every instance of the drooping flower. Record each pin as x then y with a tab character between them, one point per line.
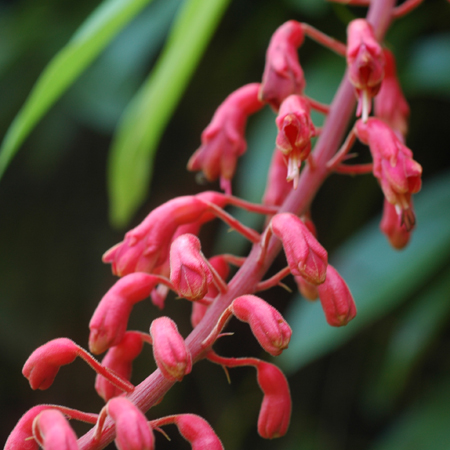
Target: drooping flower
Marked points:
223	140
393	165
393	228
365	61
283	75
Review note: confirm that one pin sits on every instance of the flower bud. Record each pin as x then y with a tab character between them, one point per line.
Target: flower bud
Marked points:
391	225
295	130
189	271
267	324
277	187
43	364
169	349
53	432
198	432
223	139
275	412
132	429
305	256
390	103
308	290
365	61
119	359
283	75
336	299
110	319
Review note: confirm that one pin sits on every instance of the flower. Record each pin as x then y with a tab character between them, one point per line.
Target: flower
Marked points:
391	225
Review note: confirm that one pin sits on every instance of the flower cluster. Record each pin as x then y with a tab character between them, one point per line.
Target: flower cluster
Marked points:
164	252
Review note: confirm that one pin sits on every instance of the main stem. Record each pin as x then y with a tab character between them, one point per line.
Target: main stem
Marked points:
155	386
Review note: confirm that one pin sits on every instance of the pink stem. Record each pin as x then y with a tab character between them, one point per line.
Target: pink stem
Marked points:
327	41
231	362
273	281
343	151
355	169
320	107
251	207
155	386
405	8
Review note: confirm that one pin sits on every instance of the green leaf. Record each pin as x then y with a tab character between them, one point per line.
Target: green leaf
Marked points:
134	146
90	39
379	277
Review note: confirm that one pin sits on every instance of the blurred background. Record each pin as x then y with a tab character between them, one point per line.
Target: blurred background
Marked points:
381	383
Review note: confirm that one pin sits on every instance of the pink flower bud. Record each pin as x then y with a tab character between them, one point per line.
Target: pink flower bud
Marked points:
169	349
391	225
132	429
267	324
393	166
277	187
295	130
275	412
53	432
43	364
283	75
147	246
119	359
305	256
390	103
21	437
110	319
336	299
189	271
365	61
198	432
223	139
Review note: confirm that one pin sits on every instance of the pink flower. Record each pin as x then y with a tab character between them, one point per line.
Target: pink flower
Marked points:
223	139
277	187
308	290
365	61
391	225
283	75
169	349
305	256
53	432
110	319
336	299
198	432
132	429
275	412
119	359
189	271
390	103
295	130
393	166
267	324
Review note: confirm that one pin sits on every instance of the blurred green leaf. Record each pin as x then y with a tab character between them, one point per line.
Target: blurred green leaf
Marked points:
379	277
424	426
429	65
416	331
134	146
90	39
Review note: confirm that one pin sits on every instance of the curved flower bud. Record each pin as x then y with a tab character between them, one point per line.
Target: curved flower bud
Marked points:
393	166
119	359
267	324
365	61
189	271
305	256
391	225
110	319
283	75
295	130
223	139
43	364
132	429
198	432
336	299
275	412
147	246
169	349
390	103
53	432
